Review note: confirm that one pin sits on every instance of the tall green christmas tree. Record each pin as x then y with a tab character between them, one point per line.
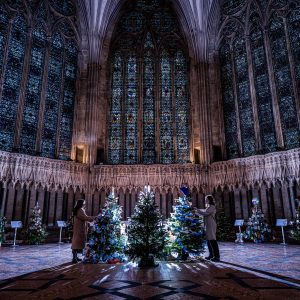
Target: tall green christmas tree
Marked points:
225	230
36	232
146	232
2	229
106	244
295	224
257	228
186	230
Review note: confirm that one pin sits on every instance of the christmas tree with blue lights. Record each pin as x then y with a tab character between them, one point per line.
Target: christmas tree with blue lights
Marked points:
257	228
106	243
186	230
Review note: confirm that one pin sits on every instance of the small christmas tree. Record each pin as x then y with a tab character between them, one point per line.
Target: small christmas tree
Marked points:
257	228
225	231
295	224
36	231
106	244
2	229
186	231
146	233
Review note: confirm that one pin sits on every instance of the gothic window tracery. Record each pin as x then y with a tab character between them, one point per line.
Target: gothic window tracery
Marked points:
149	105
260	53
38	76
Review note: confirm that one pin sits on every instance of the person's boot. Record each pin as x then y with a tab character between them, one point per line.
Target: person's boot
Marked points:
75	258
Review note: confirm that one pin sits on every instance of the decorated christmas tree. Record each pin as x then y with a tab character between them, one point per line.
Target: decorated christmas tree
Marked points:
106	243
2	229
36	231
146	232
186	230
225	230
295	224
257	228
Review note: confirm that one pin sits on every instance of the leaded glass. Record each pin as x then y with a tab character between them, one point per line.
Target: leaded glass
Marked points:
166	109
148	5
12	81
64	7
232	6
115	154
53	95
3	35
149	103
133	22
131	112
263	92
33	92
67	108
142	87
163	21
182	108
230	118
294	30
284	85
244	98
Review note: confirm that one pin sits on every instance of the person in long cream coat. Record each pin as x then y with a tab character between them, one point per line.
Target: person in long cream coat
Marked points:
79	229
210	227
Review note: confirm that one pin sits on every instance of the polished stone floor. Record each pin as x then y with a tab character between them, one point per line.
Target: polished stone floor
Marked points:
263	271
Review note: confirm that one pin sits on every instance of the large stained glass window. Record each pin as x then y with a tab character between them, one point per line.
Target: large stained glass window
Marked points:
12	78
263	92
250	52
230	119
166	107
149	104
68	100
284	84
38	69
33	92
244	98
53	95
116	125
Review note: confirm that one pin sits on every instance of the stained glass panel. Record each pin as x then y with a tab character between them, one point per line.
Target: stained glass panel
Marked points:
115	153
12	81
33	92
149	104
166	109
64	7
230	119
232	6
244	98
67	107
3	35
53	95
182	108
131	112
294	30
284	85
263	92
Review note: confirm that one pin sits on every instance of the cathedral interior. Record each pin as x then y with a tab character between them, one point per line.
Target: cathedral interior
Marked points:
102	94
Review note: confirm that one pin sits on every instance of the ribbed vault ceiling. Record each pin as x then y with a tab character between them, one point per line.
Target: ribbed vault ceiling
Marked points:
193	15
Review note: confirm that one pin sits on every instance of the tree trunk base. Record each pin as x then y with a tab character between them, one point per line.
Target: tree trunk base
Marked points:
147	262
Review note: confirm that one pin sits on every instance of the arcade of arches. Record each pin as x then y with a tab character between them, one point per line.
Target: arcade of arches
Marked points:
102	94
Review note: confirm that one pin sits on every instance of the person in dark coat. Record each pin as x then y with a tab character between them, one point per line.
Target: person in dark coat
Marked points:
79	229
210	227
